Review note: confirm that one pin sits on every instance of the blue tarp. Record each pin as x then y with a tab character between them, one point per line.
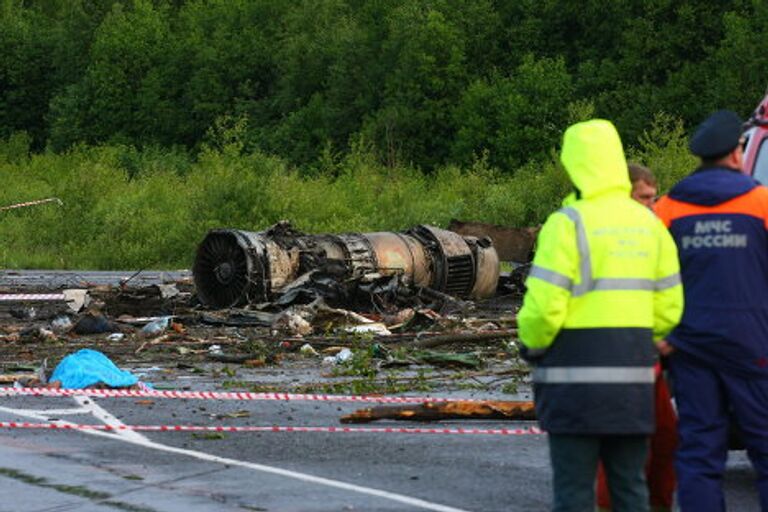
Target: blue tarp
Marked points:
88	367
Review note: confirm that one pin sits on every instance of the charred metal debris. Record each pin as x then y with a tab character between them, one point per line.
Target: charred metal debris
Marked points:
283	266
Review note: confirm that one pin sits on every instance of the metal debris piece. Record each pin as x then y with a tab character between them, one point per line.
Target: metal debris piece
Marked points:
94	323
156	327
376	328
61	324
308	350
239	318
341	356
291	321
160	300
168	291
433	411
234	267
76	299
451	360
463	337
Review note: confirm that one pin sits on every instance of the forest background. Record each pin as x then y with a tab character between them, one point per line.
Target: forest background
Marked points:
156	120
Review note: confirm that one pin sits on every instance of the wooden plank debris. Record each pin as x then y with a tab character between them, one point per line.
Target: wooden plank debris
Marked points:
434	411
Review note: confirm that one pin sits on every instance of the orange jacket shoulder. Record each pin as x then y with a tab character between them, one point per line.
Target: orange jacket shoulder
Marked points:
754	203
663	209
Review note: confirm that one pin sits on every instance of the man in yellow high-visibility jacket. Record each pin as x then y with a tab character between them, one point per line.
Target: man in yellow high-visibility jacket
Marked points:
604	286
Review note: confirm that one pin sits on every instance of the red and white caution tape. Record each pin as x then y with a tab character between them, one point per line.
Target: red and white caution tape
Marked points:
333	430
229	395
32	297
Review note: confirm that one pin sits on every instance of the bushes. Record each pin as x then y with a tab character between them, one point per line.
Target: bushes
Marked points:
130	208
664	149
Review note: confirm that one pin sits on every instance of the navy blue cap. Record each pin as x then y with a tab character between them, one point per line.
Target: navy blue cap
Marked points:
717	136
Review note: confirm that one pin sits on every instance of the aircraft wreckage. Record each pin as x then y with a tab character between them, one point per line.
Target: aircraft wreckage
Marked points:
234	267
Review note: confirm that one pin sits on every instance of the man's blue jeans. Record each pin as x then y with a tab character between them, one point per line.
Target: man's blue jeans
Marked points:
574	467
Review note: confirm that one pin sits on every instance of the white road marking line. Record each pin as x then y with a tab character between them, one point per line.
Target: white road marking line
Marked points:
29	413
108	419
59	412
141	440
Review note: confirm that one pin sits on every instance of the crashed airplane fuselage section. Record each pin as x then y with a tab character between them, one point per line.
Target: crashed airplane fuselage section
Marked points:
234	267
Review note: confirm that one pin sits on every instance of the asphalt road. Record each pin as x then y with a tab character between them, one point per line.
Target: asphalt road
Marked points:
47	471
308	472
57	279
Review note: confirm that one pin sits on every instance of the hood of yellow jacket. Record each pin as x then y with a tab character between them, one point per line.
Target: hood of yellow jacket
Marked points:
594	159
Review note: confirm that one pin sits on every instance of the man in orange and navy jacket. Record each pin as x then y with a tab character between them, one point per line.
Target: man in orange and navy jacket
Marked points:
719	352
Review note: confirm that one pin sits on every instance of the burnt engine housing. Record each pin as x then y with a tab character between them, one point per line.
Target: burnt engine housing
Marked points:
234	267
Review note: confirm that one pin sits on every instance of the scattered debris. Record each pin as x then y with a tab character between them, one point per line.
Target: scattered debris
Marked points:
238	318
10	378
387	311
61	324
26	376
76	299
378	329
156	327
46	334
464	337
94	323
28	313
308	350
468	360
163	300
290	321
341	356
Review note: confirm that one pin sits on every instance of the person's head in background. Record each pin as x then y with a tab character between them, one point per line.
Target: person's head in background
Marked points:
643	184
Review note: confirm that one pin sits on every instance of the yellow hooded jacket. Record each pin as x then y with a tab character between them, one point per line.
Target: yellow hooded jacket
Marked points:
604	285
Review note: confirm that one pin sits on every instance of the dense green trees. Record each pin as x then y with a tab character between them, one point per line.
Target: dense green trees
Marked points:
428	82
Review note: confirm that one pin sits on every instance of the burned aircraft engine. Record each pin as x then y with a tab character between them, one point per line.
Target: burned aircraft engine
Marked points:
234	267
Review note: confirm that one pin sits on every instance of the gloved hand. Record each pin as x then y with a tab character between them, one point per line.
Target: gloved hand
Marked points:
531	356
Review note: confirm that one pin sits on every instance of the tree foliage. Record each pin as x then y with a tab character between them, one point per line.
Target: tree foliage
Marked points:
428	82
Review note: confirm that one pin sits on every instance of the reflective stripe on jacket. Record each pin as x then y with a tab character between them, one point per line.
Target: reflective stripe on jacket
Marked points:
604	284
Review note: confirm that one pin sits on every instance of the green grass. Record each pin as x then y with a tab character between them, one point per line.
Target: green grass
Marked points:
125	208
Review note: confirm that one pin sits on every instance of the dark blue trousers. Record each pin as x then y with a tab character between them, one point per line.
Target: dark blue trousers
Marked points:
707	398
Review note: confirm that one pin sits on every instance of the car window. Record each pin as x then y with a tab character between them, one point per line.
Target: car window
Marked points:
761	163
